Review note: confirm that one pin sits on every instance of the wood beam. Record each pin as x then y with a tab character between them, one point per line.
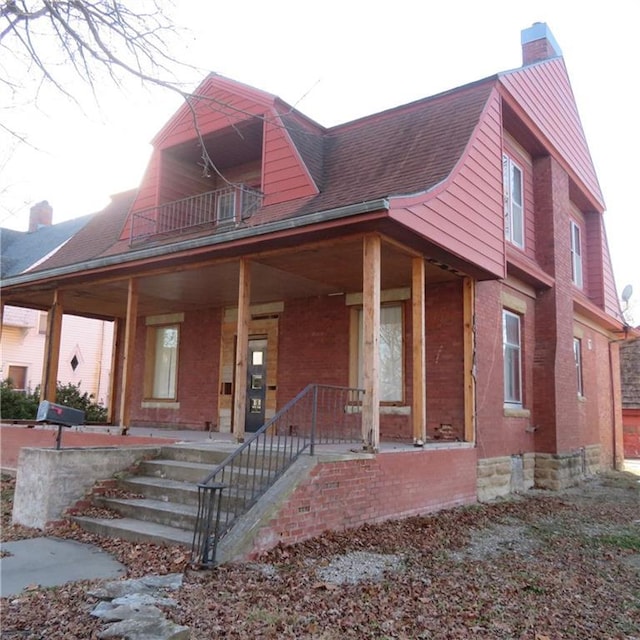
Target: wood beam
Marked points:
242	348
419	411
371	341
128	354
468	314
116	351
52	350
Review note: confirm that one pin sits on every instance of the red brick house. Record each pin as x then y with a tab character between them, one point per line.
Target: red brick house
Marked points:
447	256
630	374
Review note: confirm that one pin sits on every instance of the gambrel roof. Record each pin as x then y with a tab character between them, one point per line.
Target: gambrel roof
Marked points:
433	167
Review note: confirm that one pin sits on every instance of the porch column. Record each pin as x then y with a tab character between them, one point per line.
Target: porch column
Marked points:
469	337
52	350
419	411
371	342
116	346
242	348
128	355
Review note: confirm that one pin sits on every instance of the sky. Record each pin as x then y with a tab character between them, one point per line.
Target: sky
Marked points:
336	61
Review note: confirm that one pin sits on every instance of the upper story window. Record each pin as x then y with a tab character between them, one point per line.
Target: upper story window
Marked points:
513	202
226	205
576	255
512	352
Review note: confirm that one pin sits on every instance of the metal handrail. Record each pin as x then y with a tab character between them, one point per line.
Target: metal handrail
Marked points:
230	204
319	414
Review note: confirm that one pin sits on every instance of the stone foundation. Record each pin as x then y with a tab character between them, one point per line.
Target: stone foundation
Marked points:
504	475
561	470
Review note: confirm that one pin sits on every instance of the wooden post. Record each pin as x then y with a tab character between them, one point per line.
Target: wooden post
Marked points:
242	348
52	350
468	314
128	353
371	342
116	350
1	316
419	410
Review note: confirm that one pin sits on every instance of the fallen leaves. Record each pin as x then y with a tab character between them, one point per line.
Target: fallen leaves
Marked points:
546	566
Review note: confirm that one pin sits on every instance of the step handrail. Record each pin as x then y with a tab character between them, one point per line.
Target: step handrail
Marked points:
319	414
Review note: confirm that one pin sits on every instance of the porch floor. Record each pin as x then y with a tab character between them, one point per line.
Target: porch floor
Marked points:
15	436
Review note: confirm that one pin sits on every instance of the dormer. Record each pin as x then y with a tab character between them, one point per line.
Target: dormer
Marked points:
229	151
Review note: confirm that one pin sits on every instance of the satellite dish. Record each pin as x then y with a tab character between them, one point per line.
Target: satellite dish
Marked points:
627	292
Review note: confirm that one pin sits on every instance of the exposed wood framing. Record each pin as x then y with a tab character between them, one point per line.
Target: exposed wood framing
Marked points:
419	411
116	347
52	350
468	311
242	346
371	341
128	354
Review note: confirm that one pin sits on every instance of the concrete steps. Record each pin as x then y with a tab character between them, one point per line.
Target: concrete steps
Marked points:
160	503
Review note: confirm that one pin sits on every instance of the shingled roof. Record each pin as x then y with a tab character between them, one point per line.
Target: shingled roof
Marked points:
401	151
20	250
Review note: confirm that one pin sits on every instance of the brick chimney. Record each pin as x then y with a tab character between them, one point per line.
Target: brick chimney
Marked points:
41	215
538	44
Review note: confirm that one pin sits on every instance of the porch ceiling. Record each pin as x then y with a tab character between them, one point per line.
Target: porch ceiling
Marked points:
309	271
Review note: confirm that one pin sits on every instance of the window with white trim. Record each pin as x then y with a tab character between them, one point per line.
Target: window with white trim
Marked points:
512	355
226	206
576	255
391	366
577	355
513	202
163	362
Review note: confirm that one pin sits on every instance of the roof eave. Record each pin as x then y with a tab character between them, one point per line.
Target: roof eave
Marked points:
244	233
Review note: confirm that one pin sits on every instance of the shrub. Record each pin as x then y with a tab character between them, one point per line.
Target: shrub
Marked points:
17	405
23	405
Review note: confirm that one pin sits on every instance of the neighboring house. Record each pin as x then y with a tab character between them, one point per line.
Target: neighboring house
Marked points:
630	374
447	256
85	344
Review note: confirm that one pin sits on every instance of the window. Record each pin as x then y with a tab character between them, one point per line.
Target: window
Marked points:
513	202
576	255
511	347
18	377
577	355
391	353
226	206
163	343
42	322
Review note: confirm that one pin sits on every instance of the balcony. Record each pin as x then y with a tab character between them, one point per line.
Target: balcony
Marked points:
222	207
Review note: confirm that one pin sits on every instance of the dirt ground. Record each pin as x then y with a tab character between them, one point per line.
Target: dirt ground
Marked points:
541	566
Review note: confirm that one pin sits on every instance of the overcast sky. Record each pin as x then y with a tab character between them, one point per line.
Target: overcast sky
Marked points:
335	61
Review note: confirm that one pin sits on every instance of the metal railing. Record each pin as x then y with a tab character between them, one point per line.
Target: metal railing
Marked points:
319	414
230	204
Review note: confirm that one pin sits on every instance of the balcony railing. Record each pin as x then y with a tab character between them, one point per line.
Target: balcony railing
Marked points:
228	205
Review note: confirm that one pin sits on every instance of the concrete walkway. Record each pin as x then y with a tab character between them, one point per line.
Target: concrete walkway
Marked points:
50	562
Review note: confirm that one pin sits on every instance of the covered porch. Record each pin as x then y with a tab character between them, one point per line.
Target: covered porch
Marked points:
329	310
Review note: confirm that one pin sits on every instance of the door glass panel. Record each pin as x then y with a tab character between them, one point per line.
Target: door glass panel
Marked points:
256	381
